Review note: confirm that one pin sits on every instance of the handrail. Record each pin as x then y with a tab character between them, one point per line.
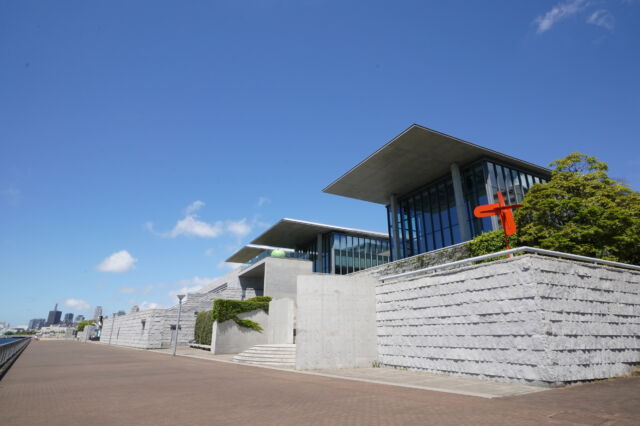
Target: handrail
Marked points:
522	249
8	350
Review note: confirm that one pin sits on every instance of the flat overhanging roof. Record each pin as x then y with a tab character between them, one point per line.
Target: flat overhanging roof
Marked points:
248	252
292	233
413	159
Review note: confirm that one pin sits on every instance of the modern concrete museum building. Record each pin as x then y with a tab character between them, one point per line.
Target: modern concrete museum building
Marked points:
430	183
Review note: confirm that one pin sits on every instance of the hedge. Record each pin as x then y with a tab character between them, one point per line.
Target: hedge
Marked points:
204	327
225	310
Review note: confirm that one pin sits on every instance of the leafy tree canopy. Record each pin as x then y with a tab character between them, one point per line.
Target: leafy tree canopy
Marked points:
581	210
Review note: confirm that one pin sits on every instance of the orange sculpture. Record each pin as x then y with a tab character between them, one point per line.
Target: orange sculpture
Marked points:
503	211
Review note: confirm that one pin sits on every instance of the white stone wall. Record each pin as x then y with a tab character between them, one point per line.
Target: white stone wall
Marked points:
528	319
157	333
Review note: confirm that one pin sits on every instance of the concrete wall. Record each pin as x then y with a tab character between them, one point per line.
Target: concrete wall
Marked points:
229	338
281	321
336	325
281	274
530	319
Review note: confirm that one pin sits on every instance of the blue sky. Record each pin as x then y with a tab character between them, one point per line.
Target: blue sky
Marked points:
142	142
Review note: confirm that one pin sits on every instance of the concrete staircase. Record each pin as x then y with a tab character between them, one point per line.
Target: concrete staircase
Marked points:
273	355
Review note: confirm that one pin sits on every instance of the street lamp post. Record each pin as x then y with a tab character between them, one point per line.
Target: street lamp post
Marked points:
175	342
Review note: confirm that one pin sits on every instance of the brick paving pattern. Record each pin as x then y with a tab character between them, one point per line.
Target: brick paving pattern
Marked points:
70	383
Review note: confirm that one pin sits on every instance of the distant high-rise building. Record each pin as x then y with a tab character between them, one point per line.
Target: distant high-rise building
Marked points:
54	316
134	309
36	323
79	318
97	313
121	313
68	318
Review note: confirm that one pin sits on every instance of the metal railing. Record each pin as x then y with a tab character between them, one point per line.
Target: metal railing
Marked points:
9	349
523	249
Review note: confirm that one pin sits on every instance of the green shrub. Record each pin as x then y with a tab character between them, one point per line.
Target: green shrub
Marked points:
83	324
203	328
225	310
491	242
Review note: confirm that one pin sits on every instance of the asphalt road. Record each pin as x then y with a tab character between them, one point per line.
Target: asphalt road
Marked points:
70	383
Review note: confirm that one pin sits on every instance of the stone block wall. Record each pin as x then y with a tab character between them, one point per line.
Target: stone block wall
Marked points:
156	332
529	319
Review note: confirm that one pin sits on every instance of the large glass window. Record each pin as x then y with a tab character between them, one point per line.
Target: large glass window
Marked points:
428	218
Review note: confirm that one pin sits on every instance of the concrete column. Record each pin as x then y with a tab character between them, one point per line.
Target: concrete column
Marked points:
393	205
460	207
492	198
319	251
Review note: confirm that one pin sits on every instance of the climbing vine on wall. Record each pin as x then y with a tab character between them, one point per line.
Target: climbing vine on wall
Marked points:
225	310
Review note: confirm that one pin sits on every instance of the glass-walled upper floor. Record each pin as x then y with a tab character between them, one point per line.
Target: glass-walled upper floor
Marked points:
428	218
345	253
339	253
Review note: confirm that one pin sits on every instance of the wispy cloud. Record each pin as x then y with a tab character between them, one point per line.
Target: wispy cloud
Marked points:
126	290
191	225
76	304
229	265
239	228
120	261
149	305
209	252
263	201
602	18
557	13
190	285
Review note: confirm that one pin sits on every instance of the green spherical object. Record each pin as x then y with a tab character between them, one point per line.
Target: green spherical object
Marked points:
278	253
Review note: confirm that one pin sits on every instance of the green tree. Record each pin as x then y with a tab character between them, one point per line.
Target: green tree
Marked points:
83	324
581	210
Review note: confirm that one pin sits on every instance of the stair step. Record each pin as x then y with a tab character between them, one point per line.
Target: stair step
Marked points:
277	355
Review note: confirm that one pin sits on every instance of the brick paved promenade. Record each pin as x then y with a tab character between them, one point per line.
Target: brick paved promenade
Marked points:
70	383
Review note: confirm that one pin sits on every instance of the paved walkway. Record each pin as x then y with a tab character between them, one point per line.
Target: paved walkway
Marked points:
71	383
390	376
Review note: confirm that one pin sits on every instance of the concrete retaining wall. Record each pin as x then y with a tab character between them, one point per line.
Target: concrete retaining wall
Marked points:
229	338
281	322
529	319
336	325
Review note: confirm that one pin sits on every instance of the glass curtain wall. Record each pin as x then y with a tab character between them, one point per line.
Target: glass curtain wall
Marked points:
344	254
352	253
428	220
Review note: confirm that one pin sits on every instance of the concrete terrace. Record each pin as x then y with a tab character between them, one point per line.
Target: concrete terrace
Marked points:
70	383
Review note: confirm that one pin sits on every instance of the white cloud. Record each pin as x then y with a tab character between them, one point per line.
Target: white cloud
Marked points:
76	304
191	285
120	261
193	207
239	228
209	252
558	13
126	290
190	225
229	265
602	18
149	305
262	201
